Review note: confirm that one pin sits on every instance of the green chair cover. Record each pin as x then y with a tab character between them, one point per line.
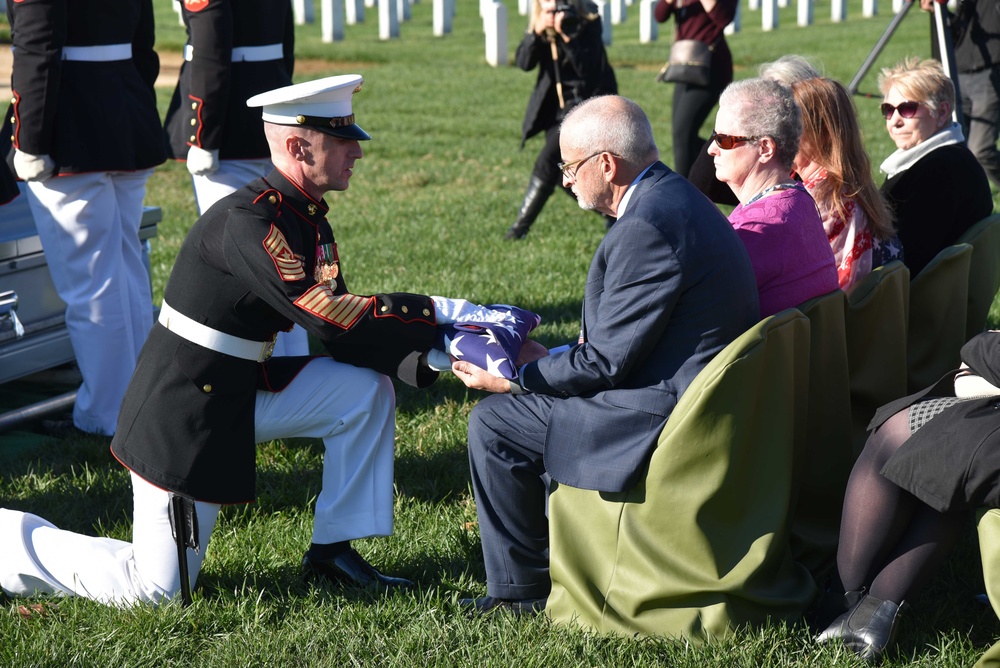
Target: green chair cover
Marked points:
984	272
876	320
827	451
939	297
988	528
700	546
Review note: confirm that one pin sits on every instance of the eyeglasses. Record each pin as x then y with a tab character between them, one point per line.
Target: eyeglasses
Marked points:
726	142
564	166
906	109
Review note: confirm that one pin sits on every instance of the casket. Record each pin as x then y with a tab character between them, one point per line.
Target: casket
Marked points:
33	335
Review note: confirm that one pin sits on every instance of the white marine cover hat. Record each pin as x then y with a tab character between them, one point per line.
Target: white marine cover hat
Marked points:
323	104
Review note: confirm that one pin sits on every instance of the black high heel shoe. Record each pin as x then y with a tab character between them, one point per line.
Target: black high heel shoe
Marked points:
868	629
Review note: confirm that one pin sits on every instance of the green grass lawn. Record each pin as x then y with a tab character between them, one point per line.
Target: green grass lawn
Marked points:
427	207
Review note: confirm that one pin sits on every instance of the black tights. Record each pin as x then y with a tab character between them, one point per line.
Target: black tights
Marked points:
889	540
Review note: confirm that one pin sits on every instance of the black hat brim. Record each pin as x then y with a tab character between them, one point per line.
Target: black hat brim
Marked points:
352	131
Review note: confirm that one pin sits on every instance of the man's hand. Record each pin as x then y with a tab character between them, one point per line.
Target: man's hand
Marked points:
479	379
33	167
201	162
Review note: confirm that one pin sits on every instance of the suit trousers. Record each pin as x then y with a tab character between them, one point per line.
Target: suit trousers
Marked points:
506	440
981	115
209	189
89	228
351	409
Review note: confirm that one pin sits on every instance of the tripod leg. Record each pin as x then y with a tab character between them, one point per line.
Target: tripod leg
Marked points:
877	49
946	54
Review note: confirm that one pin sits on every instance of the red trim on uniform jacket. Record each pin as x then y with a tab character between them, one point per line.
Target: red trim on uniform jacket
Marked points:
320	203
201	123
193	5
15	102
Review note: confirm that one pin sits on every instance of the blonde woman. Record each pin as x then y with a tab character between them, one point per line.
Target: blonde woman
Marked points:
934	183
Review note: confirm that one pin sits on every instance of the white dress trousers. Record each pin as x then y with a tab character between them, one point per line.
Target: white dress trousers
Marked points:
350	408
209	189
89	228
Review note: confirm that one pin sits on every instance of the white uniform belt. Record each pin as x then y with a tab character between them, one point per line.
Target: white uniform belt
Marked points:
213	339
247	54
98	54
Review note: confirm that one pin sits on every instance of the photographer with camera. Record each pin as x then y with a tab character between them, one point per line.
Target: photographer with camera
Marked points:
564	41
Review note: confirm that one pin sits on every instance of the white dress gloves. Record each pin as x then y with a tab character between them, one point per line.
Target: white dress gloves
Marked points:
33	167
201	162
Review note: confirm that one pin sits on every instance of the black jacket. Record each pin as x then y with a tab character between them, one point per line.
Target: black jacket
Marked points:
583	70
942	195
88	116
209	109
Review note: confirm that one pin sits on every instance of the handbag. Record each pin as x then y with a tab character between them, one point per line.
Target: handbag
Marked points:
690	62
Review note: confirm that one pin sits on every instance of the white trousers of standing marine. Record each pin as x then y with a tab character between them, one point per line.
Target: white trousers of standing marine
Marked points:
89	228
351	409
209	189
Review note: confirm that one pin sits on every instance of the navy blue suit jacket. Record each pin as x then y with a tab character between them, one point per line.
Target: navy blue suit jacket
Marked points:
669	287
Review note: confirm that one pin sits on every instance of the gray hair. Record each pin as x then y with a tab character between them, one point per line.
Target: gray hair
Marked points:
766	108
789	69
614	124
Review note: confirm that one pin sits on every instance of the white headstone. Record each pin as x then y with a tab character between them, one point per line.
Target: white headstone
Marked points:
838	11
648	28
617	11
753	5
805	17
403	10
782	3
332	20
869	8
304	11
495	25
897	5
442	18
388	21
523	7
769	15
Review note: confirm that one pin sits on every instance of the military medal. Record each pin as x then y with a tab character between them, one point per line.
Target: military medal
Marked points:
327	264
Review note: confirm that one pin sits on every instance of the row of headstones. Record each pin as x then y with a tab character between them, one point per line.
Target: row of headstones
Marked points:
335	13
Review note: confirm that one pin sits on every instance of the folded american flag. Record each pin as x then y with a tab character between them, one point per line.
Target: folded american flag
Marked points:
492	346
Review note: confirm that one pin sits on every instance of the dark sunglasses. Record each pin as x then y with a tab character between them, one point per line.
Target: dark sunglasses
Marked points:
726	142
906	109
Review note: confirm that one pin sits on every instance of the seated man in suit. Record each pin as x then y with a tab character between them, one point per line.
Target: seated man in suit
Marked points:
669	287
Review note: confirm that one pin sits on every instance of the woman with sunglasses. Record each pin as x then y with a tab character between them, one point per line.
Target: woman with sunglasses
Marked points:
565	42
836	171
756	137
934	183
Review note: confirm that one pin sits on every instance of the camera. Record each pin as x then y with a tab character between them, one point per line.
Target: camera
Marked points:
570	19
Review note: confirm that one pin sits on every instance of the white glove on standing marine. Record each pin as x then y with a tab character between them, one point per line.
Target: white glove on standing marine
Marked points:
33	167
201	162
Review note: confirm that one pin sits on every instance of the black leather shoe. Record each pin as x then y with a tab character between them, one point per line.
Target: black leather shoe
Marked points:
349	568
488	604
60	427
867	629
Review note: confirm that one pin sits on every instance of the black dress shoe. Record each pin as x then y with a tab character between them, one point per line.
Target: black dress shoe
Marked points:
489	604
349	568
867	629
60	427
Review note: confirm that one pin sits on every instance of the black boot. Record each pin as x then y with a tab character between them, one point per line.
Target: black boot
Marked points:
867	629
534	199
